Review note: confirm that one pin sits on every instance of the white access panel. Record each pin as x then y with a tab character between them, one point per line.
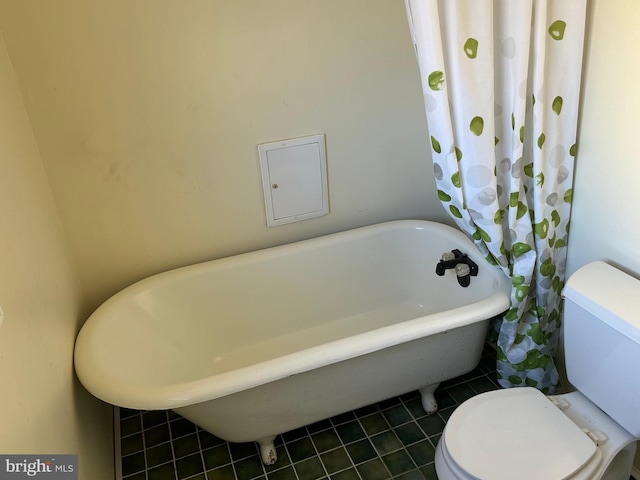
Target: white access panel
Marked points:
294	179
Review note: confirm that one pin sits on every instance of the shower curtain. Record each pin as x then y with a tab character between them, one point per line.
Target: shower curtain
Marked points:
501	82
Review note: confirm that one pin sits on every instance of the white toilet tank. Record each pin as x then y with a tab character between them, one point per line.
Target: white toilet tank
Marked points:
602	340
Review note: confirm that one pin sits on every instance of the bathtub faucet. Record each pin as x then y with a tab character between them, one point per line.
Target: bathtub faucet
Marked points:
463	265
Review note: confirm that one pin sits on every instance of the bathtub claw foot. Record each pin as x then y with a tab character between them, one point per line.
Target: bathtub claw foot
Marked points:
268	450
428	399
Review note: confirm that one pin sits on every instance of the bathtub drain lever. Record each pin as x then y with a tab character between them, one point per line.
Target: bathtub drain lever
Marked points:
464	267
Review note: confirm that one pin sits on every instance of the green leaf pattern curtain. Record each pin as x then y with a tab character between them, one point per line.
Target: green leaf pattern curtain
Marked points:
501	82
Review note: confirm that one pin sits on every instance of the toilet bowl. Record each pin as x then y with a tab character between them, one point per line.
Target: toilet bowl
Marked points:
590	433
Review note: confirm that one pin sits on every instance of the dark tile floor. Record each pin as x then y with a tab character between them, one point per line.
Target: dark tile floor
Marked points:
393	439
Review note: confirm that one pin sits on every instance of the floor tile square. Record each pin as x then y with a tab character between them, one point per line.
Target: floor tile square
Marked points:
319	426
153	418
361	451
350	474
208	440
444	399
301	449
397	415
163	472
415	407
398	462
386	442
390	402
343	418
461	392
249	468
350	432
216	457
422	453
242	450
186	445
429	472
310	469
405	397
127	412
137	476
189	466
159	454
431	425
287	473
326	440
373	470
133	463
475	373
412	475
181	427
222	473
294	434
131	444
364	411
482	384
445	413
409	433
374	423
130	425
336	460
156	435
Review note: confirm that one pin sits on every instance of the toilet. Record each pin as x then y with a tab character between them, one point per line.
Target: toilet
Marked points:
591	433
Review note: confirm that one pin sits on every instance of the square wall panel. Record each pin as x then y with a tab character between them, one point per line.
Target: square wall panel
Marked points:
294	179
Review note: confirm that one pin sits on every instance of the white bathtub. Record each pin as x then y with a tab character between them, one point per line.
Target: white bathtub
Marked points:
254	345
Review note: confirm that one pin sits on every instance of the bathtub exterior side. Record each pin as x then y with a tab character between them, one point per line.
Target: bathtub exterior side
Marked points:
155	345
292	402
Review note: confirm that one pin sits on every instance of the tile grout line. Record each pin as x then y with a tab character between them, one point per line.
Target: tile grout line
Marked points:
233	461
144	446
293	464
200	450
390	428
342	446
173	451
413	420
117	447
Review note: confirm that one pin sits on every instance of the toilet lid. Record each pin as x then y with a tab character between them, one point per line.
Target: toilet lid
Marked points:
515	433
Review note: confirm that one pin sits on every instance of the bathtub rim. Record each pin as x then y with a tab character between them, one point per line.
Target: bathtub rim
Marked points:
111	389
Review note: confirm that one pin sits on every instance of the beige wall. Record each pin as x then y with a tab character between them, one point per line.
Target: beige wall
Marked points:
148	114
605	220
42	408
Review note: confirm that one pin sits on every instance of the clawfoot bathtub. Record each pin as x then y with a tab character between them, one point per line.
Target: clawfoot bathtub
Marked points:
251	346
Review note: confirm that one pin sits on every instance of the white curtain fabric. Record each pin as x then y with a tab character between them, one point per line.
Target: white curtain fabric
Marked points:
501	82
